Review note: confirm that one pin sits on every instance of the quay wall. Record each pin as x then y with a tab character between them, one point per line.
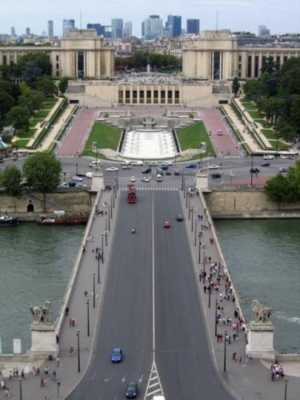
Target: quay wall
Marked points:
230	204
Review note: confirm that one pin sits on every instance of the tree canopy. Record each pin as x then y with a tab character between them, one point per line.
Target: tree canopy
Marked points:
11	180
277	94
139	61
285	188
42	172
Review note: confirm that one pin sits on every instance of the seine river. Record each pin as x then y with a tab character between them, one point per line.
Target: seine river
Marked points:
35	265
263	258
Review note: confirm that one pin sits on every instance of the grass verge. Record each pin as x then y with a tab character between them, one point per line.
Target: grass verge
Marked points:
104	136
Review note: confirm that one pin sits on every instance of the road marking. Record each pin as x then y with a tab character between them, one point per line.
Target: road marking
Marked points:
154	386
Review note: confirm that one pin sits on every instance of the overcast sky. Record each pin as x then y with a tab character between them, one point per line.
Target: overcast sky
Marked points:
279	15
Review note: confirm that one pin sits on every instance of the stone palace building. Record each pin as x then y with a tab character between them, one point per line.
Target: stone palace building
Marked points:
209	62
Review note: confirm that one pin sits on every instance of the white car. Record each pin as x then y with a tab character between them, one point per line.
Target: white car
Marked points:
132	179
269	157
159	178
89	175
214	166
126	166
76	178
95	163
138	163
112	169
146	179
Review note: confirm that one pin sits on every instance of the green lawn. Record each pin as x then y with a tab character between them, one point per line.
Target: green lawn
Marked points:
26	134
249	105
21	143
41	114
192	137
105	137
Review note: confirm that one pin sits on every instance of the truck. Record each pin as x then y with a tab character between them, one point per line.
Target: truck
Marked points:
131	193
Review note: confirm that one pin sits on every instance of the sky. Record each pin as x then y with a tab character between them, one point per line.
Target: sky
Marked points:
279	15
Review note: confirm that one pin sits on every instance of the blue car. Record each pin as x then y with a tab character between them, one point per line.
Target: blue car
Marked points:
191	166
116	355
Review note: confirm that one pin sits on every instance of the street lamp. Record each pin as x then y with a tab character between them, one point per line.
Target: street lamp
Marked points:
20	389
251	170
286	381
78	350
94	290
88	316
225	352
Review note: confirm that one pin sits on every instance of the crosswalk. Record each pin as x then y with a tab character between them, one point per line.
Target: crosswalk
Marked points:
154	386
153	186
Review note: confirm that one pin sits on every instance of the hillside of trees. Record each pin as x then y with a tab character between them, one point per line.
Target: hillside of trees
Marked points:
139	61
277	94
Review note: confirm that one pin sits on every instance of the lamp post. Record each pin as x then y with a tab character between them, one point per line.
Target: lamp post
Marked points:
88	317
78	350
195	236
58	383
192	219
98	267
225	352
209	296
94	290
251	170
286	381
216	320
199	252
20	389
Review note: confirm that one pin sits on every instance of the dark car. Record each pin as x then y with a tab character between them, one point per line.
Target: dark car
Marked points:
265	164
168	173
216	175
254	170
164	167
117	353
192	166
132	390
147	170
176	173
72	184
179	217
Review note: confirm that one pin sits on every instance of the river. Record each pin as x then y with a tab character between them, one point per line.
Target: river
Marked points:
263	259
35	264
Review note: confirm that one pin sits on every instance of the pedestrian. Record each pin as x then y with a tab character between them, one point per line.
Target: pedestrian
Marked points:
42	382
204	288
22	374
57	362
67	311
57	339
6	391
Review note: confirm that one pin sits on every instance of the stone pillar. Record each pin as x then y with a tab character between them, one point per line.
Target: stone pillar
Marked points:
159	95
131	96
261	340
43	339
138	95
253	65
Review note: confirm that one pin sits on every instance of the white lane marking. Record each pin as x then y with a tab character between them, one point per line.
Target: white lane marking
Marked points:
154	385
153	282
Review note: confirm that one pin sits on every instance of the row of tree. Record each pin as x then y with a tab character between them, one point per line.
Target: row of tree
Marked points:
277	94
139	61
41	172
285	189
24	87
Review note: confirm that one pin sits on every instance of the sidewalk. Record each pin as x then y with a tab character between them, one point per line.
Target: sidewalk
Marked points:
62	375
247	379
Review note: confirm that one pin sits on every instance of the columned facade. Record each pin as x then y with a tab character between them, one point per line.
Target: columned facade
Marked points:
140	94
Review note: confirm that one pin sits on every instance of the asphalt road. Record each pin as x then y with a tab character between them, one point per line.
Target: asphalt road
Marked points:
141	266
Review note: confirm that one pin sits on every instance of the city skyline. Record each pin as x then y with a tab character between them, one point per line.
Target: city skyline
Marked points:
232	14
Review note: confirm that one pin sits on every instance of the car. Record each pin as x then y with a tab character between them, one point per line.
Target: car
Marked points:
179	217
265	164
283	170
1	160
77	178
219	132
216	175
214	166
95	163
269	157
132	390
167	224
168	173
254	170
146	179
147	170
164	167
89	175
139	163
132	179
111	169
126	166
284	156
116	355
159	178
72	184
176	173
192	166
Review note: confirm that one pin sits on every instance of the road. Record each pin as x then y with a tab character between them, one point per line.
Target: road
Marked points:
153	261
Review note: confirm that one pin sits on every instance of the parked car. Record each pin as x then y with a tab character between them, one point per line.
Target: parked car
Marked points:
167	224
269	157
192	166
179	217
159	178
216	175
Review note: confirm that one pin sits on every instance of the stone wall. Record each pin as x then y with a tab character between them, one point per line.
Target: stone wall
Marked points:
73	202
248	204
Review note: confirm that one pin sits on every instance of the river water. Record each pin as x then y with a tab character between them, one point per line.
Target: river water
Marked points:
35	266
263	259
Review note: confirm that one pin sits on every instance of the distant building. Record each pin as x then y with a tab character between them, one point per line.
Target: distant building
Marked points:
263	31
27	32
193	26
98	28
127	32
173	26
117	28
152	27
68	26
50	29
13	31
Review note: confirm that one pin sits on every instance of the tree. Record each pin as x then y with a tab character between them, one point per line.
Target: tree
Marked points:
252	89
46	86
18	116
285	188
235	86
42	172
11	180
63	85
31	66
6	102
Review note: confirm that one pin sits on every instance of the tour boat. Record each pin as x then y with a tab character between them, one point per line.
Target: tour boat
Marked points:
5	220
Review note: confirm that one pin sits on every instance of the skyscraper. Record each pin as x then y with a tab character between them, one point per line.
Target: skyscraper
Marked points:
98	28
127	32
193	26
13	31
152	27
173	26
50	29
117	28
263	31
68	25
27	31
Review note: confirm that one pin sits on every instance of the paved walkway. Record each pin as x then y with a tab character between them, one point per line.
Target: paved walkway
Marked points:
73	143
63	373
248	379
